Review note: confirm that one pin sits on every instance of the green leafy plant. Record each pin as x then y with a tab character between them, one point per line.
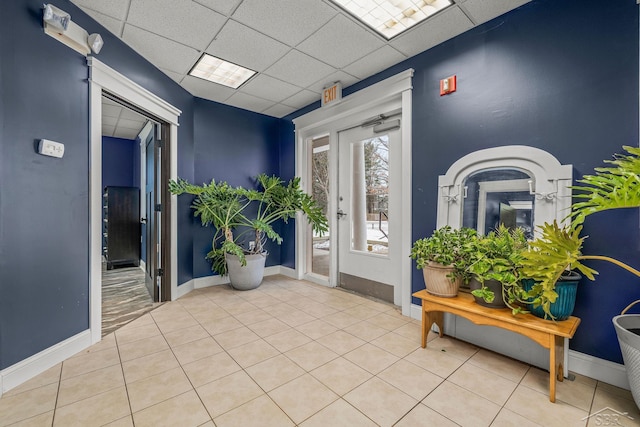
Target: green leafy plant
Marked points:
558	249
229	209
499	256
446	246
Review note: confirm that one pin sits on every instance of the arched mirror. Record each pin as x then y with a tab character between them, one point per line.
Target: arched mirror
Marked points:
515	185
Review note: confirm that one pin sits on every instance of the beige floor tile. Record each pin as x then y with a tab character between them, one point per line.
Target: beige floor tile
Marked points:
302	397
254	352
192	351
95	411
89	362
253	316
122	422
507	418
207	424
126	335
236	337
316	310
411	379
341	342
484	383
27	404
143	320
619	401
382	402
287	340
185	410
210	368
613	391
50	376
396	344
411	330
366	331
43	420
339	414
279	309
175	324
451	346
447	399
269	327
421	415
535	406
311	355
577	393
144	347
264	301
296	318
342	304
371	358
341	320
148	366
219	326
90	384
184	336
150	391
316	329
388	321
500	365
228	393
211	315
274	372
363	312
260	412
341	375
435	361
108	341
241	307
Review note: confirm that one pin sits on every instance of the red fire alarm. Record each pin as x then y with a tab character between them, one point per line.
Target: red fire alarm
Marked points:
448	85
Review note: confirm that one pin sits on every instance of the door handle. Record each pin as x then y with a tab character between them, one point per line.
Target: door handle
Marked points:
341	213
143	220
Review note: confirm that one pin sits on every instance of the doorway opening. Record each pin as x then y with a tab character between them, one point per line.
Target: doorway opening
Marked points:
132	244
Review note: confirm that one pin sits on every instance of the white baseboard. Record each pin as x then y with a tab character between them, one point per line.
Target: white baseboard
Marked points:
28	368
143	265
579	363
289	272
185	288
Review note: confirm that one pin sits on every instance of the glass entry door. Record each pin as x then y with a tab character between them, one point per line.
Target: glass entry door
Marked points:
369	188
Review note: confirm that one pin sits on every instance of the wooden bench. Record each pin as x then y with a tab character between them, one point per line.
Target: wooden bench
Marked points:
548	334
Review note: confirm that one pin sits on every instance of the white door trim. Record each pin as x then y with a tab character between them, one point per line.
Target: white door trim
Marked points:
103	77
328	121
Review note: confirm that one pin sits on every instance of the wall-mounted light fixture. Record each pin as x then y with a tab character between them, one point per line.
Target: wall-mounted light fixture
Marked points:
58	24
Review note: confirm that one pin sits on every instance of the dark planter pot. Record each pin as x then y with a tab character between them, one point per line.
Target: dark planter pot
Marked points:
494	286
566	287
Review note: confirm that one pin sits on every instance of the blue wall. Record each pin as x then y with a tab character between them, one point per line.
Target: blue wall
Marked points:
44	202
560	76
119	165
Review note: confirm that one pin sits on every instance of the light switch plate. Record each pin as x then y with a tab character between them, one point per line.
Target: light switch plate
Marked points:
51	148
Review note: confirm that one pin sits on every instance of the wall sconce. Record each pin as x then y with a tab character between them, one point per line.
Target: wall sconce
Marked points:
58	24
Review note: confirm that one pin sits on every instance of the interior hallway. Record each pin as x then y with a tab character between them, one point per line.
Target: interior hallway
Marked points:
294	353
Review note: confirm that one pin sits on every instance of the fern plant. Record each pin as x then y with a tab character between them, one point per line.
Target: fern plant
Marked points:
236	211
558	248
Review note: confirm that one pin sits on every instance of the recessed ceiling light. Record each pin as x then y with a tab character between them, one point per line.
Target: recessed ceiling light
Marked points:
391	17
220	71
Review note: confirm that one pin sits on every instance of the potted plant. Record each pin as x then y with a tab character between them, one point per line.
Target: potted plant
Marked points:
443	258
250	214
495	264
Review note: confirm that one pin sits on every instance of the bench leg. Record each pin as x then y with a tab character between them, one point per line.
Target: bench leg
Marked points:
556	364
428	319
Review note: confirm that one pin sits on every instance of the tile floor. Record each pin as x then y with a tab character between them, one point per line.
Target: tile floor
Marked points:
293	353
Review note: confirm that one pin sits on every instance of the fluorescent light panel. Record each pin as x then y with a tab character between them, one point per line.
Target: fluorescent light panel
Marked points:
391	17
219	71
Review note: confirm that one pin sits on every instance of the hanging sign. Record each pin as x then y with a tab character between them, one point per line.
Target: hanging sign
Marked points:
332	94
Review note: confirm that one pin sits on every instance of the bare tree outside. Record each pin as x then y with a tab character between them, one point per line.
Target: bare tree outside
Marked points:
376	158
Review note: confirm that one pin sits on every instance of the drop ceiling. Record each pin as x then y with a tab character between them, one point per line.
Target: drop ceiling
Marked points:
297	47
119	121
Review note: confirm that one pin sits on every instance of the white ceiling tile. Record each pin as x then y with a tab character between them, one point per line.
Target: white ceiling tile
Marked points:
278	111
302	99
290	21
207	90
435	30
241	45
111	110
485	10
114	8
299	69
125	133
113	25
267	87
161	52
107	130
353	41
223	6
339	76
176	77
248	102
108	121
183	21
375	62
131	124
132	115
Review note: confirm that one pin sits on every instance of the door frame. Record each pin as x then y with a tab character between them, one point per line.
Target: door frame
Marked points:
386	95
103	77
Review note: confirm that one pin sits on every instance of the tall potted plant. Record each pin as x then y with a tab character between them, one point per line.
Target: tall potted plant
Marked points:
243	220
444	258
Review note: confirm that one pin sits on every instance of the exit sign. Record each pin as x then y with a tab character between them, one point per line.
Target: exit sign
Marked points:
332	94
